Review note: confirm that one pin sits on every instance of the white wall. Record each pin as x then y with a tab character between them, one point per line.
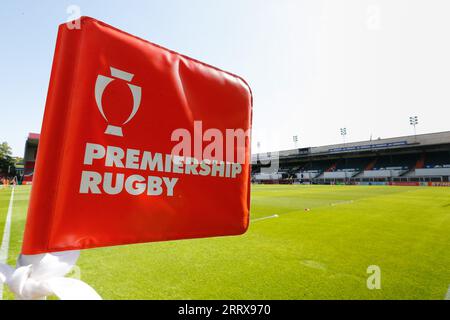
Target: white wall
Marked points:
268	176
433	172
338	175
382	173
307	175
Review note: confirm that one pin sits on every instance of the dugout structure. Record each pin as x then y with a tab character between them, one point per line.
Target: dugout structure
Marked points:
29	158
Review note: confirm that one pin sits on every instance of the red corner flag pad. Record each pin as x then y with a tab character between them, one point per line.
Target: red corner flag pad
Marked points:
138	144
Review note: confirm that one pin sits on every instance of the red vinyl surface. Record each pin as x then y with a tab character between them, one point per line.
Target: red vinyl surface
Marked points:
171	91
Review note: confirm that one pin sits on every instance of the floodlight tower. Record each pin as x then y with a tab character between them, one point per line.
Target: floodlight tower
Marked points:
344	134
414	121
258	147
295	139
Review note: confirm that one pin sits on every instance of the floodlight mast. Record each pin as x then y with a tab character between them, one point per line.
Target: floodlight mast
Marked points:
344	134
295	139
414	121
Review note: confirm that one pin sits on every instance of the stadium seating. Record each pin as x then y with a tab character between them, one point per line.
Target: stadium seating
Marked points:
396	162
319	166
437	160
353	164
421	158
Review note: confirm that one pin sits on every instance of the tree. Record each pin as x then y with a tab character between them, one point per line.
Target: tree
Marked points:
18	160
6	160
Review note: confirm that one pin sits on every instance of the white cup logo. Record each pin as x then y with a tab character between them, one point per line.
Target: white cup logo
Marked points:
100	86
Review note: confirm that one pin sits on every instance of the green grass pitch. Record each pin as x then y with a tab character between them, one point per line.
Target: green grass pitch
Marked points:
323	253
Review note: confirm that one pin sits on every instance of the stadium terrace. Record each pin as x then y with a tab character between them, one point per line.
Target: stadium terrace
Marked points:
136	184
418	160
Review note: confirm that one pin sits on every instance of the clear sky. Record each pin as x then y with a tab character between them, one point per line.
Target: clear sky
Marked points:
314	66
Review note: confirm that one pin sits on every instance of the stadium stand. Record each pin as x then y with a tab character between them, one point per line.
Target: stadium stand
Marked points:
403	160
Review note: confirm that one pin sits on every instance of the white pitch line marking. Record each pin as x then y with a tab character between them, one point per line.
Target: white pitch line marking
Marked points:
6	235
342	202
447	296
264	218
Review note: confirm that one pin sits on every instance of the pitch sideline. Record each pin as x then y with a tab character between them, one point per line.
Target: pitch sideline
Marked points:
264	218
6	236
